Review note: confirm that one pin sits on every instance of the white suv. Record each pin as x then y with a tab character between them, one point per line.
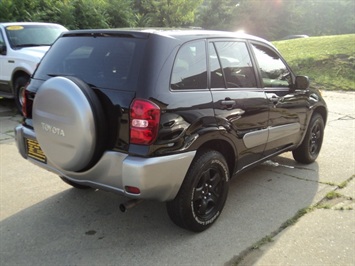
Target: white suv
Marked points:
22	46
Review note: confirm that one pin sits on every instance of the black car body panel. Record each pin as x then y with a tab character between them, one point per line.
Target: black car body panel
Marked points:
158	102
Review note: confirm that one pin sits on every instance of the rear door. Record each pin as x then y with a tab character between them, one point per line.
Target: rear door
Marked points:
240	105
287	107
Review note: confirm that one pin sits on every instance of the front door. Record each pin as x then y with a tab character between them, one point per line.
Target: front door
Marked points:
287	109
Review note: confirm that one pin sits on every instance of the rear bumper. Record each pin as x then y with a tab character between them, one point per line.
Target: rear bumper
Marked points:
158	178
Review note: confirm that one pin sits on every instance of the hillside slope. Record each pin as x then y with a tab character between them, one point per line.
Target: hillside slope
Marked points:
329	61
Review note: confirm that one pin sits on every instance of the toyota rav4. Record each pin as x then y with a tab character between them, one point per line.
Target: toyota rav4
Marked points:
167	115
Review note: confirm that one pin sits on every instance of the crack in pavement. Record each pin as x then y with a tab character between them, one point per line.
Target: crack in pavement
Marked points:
333	201
328	202
347	117
301	178
343	118
276	164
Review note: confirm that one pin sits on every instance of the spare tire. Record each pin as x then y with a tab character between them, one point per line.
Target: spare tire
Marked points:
69	123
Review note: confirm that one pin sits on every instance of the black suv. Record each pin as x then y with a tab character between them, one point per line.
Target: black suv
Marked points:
168	115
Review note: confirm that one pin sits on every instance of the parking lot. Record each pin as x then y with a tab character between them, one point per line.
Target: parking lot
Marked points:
43	221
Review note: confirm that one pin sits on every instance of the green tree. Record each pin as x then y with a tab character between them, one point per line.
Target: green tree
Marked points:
90	14
218	15
261	18
5	14
74	14
274	19
55	11
167	13
328	17
121	13
271	19
16	10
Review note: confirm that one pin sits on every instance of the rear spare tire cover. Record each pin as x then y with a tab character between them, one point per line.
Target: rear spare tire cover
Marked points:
67	119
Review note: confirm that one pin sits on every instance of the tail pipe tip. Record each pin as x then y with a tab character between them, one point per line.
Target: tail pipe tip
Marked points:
129	204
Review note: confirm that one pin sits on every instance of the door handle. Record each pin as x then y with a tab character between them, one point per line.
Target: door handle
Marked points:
229	103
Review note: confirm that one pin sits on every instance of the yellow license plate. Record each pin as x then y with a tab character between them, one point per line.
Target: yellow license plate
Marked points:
34	151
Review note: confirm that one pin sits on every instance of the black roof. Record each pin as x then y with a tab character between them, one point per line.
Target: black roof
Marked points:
181	34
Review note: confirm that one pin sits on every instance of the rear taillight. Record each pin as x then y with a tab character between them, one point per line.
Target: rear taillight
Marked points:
27	104
132	190
144	121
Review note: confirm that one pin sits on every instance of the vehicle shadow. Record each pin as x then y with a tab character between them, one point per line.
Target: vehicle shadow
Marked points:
7	107
86	227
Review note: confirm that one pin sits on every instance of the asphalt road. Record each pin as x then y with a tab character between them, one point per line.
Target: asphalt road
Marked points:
43	221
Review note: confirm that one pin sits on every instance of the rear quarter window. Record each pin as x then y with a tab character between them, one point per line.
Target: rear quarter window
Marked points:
103	62
190	67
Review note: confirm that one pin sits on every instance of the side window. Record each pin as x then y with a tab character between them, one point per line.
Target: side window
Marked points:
190	67
1	39
237	67
273	71
2	43
217	77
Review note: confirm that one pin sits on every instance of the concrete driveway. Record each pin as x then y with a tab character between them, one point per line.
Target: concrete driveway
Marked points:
43	221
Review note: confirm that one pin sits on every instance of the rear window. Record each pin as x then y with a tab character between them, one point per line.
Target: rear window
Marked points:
105	62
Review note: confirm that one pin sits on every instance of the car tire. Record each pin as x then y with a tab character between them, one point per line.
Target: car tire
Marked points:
19	89
203	193
311	145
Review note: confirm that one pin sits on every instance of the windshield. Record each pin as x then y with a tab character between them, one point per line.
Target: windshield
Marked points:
33	35
105	62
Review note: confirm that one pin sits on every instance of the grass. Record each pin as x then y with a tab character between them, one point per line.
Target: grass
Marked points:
329	61
333	195
263	241
346	182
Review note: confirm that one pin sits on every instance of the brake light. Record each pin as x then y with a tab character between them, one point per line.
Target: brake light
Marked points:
27	104
144	122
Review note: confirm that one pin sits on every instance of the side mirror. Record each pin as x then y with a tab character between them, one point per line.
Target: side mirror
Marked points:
2	49
301	83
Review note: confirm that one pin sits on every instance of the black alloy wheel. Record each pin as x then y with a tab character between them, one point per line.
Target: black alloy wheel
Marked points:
207	194
310	148
203	193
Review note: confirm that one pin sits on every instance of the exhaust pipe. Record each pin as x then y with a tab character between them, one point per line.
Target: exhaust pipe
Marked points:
129	204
